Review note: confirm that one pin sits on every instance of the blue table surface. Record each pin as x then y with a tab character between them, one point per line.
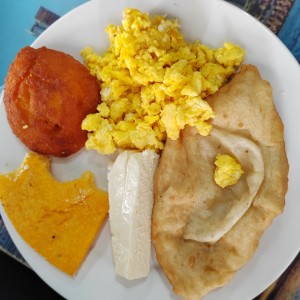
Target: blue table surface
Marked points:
17	18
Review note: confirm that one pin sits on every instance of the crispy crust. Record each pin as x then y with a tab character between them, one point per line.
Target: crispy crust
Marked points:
47	94
244	106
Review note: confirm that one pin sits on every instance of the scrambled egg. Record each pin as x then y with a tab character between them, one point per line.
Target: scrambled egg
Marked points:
228	170
153	83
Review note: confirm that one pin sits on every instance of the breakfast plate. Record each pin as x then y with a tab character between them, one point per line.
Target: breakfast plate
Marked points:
212	22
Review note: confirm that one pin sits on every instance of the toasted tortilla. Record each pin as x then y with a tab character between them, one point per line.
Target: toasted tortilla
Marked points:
215	210
244	115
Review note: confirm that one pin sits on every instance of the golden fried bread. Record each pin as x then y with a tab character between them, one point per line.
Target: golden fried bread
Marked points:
215	210
244	111
47	94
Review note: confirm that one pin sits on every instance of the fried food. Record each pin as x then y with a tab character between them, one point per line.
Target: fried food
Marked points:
47	94
189	204
215	211
60	220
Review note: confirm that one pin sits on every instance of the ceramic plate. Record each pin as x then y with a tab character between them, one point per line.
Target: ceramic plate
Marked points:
213	22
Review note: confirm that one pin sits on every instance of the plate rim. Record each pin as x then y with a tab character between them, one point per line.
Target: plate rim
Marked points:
91	3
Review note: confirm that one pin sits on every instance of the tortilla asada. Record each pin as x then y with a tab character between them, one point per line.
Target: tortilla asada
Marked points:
186	194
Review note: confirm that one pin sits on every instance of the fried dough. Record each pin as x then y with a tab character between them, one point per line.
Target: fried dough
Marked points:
244	110
47	94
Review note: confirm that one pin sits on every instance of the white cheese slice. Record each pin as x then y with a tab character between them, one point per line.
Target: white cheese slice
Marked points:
130	189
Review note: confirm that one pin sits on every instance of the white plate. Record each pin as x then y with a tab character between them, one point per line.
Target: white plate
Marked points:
213	22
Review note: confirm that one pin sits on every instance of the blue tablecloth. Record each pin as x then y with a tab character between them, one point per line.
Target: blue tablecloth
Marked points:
18	24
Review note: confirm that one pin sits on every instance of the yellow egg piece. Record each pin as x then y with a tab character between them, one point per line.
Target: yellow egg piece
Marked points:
228	171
